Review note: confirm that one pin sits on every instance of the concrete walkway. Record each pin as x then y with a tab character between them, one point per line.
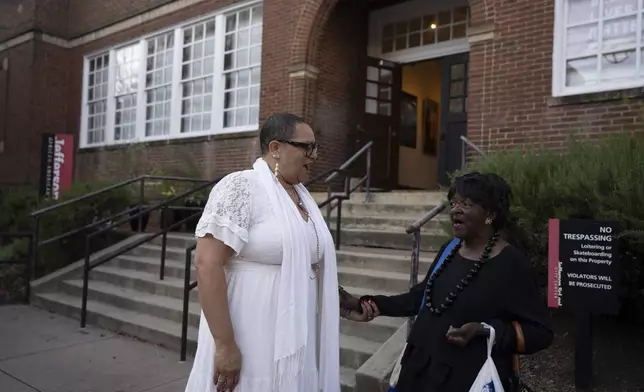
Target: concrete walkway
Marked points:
45	352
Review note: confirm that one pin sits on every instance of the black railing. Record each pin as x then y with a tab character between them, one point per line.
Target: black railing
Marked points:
26	261
88	266
37	215
187	287
338	198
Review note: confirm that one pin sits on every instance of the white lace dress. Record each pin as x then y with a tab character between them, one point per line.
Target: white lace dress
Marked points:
239	214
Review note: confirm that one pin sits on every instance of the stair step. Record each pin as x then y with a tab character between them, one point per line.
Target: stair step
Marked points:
354	351
394	210
141	281
376	280
430	240
153	250
152	265
382	259
145	327
385	222
132	300
347	379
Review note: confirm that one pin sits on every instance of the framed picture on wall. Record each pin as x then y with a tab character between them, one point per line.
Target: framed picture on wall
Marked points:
408	120
430	126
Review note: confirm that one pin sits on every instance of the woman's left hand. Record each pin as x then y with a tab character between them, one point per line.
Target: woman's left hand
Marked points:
463	335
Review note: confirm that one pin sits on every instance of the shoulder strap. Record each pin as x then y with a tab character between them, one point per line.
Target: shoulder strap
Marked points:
448	249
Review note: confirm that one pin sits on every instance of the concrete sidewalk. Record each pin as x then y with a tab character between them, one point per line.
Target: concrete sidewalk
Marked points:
45	352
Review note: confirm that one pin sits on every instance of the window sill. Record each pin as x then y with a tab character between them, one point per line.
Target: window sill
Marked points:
606	96
177	141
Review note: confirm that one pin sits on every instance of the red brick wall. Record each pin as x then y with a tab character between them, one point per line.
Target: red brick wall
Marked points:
340	84
18	162
16	17
90	15
511	103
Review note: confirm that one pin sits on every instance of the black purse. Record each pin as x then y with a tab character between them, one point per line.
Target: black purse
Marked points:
516	384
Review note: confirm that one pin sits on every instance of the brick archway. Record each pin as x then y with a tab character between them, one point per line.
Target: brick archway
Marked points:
312	16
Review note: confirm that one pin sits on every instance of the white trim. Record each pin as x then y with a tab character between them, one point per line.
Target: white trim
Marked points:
428	52
176	100
19	40
83	125
559	57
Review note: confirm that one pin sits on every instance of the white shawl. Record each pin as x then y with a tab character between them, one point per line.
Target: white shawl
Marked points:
292	304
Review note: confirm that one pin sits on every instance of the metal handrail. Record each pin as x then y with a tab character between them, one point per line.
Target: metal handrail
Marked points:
38	214
331	174
472	145
187	287
88	266
26	261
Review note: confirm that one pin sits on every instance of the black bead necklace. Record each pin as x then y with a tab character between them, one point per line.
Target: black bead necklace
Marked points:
449	300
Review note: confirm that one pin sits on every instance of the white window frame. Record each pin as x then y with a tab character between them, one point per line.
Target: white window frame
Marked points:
559	55
404	12
217	123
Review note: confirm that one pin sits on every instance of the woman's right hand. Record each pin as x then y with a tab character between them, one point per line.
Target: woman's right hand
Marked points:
369	312
227	366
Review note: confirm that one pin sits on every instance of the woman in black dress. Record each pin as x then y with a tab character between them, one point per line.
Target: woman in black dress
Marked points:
484	279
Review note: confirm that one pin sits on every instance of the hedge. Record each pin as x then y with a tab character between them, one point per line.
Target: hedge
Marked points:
598	181
19	202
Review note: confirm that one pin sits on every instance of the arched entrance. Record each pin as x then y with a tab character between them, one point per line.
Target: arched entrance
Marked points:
331	52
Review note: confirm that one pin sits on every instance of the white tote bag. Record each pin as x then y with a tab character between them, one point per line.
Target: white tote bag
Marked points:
488	379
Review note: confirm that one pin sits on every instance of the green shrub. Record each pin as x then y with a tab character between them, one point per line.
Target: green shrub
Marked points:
599	181
18	203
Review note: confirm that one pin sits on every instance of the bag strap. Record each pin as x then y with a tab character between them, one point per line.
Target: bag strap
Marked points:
518	331
448	249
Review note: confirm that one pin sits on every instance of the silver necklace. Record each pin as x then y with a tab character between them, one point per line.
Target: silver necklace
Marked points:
315	266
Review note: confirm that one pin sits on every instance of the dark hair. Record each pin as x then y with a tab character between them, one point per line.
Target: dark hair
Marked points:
279	126
488	190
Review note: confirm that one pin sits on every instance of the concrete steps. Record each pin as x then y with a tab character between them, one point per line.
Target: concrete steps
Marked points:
127	296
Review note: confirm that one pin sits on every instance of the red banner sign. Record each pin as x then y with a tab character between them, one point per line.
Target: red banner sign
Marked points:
57	168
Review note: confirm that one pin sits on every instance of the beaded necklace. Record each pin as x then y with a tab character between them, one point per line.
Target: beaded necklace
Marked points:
449	300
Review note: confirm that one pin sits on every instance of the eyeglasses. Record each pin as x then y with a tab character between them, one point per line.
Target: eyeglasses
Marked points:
310	148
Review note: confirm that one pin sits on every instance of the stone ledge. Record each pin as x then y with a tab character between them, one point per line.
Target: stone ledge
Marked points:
373	375
480	33
625	94
303	71
171	142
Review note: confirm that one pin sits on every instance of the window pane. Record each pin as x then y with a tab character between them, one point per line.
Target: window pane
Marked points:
581	72
582	40
619	66
619	34
372	90
371	106
615	8
582	11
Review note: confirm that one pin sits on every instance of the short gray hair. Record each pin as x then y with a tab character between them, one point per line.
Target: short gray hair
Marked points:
279	126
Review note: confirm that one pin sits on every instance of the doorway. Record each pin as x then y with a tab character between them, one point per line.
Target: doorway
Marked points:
419	125
416	114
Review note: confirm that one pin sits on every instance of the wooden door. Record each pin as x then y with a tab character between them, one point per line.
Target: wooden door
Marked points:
453	115
382	121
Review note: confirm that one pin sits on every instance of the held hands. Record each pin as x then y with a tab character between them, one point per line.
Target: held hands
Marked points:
369	312
463	335
227	367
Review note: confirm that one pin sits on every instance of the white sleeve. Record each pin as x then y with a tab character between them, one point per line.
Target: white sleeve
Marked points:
228	211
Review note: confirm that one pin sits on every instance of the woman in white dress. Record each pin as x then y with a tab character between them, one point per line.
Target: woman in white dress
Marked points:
267	275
